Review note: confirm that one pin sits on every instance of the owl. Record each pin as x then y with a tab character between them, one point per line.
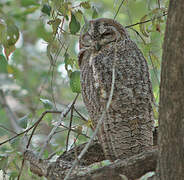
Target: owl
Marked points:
127	126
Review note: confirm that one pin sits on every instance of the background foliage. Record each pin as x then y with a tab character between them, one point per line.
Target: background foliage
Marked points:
39	69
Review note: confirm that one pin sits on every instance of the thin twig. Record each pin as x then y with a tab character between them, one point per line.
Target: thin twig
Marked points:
118	9
27	130
53	66
97	127
52	73
142	22
38	122
138	35
21	169
82	116
70	127
35	126
74	142
63	114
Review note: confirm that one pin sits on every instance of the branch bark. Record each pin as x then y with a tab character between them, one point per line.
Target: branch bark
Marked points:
132	168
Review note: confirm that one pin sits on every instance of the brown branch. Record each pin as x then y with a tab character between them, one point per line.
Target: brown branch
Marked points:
43	168
63	115
132	168
135	166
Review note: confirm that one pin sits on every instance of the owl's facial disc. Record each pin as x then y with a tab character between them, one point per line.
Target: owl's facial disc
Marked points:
99	33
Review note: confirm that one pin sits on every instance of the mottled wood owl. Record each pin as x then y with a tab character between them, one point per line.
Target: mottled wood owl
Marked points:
127	126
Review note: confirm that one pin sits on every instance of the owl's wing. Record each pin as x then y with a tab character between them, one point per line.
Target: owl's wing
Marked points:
127	128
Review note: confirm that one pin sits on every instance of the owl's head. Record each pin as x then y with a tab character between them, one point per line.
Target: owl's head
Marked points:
100	32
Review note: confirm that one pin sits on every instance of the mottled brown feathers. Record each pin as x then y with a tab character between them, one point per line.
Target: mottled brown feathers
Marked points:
127	126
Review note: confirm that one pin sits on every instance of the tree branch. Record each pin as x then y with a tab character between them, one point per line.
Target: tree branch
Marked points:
133	167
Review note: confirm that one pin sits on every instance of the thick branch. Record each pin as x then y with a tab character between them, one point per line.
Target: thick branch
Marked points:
133	167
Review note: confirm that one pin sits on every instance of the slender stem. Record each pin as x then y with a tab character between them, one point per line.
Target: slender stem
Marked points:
118	9
142	22
97	127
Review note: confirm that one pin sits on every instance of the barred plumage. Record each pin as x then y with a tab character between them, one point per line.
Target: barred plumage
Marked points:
127	126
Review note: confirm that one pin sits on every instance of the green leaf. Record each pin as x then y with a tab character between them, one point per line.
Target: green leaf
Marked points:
75	82
46	9
3	64
47	103
29	2
95	13
2	31
85	5
9	33
74	24
12	33
78	14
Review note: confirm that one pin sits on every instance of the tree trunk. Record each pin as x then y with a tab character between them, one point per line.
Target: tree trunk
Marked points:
171	120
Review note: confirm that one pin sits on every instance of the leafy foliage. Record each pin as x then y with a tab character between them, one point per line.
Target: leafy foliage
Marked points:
75	81
74	24
39	69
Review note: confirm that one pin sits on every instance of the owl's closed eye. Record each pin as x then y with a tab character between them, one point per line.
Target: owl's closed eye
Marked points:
99	34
